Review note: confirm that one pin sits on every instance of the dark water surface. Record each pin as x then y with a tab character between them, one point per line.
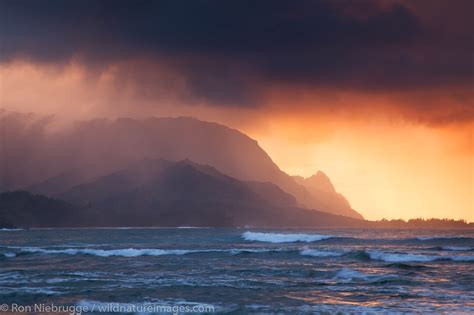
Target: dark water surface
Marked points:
242	270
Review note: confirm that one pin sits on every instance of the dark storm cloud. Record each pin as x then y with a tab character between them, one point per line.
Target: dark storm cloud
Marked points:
223	47
52	29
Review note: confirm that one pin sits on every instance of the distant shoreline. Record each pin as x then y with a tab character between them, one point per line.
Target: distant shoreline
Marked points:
2	229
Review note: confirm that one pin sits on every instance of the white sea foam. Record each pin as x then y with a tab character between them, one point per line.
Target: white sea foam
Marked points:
319	253
9	230
132	252
425	238
397	257
126	252
283	238
350	275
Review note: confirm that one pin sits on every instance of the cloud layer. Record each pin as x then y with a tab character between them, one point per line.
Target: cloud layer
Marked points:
231	53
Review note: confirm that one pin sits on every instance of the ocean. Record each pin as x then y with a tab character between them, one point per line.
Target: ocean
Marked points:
205	270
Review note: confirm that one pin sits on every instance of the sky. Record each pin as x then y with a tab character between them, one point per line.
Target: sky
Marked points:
377	94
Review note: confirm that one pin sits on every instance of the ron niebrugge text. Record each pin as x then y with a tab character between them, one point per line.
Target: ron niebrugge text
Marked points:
107	308
45	308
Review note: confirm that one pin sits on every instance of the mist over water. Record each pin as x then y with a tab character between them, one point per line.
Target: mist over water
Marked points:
242	270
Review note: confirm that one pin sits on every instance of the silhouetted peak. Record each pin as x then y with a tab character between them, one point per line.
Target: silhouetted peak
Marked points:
322	189
321	181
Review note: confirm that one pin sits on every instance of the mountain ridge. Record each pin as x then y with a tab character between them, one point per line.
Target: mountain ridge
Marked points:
91	149
321	187
157	192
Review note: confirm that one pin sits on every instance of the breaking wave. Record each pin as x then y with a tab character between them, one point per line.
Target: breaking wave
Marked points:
319	253
126	252
133	252
283	238
403	257
361	255
351	275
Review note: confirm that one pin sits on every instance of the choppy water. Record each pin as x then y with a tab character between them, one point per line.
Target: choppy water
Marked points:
242	270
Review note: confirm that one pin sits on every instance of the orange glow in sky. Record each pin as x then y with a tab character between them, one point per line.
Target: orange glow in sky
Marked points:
386	171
